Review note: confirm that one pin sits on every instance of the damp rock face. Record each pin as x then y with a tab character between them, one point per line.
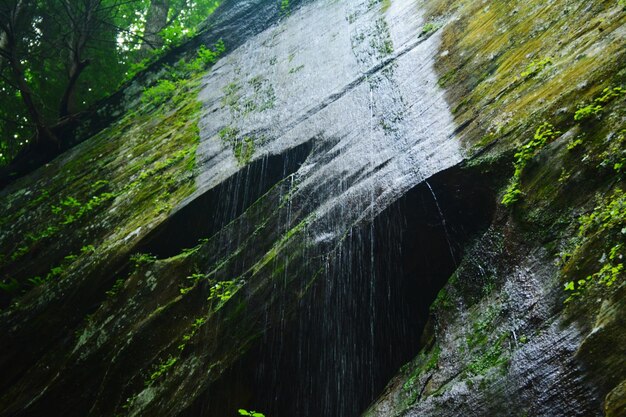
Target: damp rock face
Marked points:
371	208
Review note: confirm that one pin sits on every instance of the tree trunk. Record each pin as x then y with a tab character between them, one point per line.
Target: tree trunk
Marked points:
44	134
67	105
9	52
156	20
81	33
3	47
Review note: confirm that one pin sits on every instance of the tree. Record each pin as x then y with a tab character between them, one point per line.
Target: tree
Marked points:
52	55
168	22
156	21
46	48
14	23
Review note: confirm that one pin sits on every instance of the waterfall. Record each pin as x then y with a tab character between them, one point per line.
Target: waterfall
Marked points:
358	83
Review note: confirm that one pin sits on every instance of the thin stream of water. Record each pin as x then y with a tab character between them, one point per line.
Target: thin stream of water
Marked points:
443	221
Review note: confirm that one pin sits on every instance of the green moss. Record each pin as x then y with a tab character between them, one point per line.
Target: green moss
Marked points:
491	358
443	301
281	243
425	362
543	135
606	226
535	67
481	327
296	69
244	149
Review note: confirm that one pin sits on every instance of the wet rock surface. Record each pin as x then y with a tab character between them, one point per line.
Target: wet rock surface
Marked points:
324	206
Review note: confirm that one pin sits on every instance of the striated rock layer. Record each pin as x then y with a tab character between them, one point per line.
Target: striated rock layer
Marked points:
331	204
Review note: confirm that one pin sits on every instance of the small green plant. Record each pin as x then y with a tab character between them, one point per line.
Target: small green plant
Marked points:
161	369
206	57
159	93
595	109
609	94
117	286
9	285
36	281
544	134
195	326
615	154
140	259
382	42
98	185
243	412
19	252
574	144
223	290
228	135
430	28
587	112
87	249
535	67
231	96
284	7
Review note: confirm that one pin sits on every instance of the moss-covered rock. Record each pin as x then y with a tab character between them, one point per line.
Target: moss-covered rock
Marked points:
300	187
550	266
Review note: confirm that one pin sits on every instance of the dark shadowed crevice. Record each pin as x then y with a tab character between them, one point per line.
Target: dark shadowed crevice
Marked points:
364	316
208	213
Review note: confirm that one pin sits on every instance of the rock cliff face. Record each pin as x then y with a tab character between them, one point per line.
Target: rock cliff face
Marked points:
364	207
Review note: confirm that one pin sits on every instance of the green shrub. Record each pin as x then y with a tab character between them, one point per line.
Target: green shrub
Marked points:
587	111
206	57
609	94
160	93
